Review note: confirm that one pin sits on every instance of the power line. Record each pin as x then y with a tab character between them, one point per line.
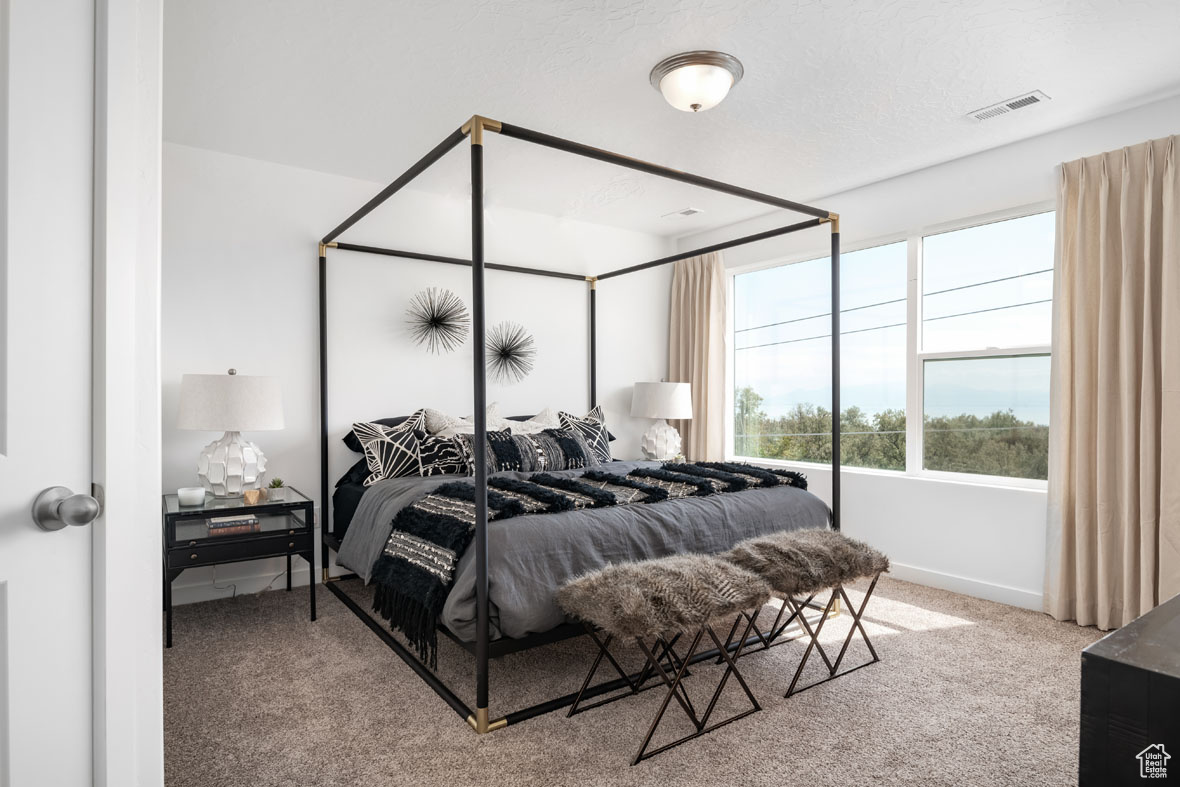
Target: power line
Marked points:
894	325
817	316
992	281
895	300
821	336
992	309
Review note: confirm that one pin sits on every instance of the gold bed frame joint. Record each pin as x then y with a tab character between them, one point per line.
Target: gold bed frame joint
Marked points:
477	125
593	280
479	722
834	220
325	246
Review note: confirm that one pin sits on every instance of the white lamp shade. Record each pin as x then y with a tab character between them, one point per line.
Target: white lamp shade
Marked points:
662	400
696	88
229	403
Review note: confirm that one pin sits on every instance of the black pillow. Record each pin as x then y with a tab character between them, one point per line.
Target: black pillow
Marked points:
356	474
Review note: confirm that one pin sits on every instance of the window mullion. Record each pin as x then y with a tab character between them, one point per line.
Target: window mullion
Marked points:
913	414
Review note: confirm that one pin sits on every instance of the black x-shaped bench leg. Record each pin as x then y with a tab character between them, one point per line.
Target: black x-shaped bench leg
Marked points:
633	683
676	690
769	638
814	644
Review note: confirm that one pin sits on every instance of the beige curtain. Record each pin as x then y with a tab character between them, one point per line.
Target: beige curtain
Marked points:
1114	454
696	352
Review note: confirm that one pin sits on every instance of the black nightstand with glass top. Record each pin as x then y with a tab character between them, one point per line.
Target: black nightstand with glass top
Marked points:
284	528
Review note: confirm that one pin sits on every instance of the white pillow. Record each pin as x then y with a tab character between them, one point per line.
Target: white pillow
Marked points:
546	419
454	426
437	421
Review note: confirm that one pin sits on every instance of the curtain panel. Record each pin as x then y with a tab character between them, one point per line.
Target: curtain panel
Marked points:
696	352
1114	448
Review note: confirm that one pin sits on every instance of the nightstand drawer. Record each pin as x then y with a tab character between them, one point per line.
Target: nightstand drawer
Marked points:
244	549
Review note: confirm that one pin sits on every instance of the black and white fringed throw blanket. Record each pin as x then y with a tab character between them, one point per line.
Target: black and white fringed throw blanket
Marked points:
416	569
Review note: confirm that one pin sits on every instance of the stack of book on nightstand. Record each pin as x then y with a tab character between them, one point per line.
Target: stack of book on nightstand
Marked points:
233	525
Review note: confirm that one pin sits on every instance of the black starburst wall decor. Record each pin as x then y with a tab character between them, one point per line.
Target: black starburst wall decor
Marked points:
510	352
438	319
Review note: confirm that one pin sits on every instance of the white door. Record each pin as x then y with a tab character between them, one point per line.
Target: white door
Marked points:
79	606
45	422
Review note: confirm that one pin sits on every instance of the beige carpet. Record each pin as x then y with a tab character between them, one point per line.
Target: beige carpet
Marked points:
968	693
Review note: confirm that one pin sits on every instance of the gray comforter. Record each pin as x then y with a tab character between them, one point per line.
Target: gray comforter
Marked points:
529	557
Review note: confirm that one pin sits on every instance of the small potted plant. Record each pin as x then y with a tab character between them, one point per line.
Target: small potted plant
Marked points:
276	491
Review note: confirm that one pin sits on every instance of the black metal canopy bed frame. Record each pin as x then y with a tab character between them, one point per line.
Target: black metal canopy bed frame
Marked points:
484	647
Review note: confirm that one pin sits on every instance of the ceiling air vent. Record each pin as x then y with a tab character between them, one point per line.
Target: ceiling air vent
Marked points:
682	212
1011	105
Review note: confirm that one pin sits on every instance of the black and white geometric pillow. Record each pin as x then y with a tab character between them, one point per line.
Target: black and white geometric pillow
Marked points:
592	430
392	451
443	456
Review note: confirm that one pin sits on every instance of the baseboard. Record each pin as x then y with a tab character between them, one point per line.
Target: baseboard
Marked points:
1004	594
258	581
230	583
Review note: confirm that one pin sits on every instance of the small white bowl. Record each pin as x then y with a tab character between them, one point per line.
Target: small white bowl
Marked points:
190	495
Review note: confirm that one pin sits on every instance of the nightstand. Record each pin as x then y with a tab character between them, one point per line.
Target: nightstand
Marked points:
283	528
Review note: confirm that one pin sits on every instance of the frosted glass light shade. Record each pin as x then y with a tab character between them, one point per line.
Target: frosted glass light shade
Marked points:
696	81
662	400
230	403
695	88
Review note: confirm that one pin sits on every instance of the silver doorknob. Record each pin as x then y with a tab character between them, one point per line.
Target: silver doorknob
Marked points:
57	507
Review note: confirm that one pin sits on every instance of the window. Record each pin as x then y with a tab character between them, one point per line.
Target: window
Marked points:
987	295
978	349
782	360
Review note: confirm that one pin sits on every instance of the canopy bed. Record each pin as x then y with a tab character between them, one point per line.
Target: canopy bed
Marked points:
754	508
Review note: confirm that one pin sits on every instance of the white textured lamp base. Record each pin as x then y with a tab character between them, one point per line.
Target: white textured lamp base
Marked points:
661	442
229	466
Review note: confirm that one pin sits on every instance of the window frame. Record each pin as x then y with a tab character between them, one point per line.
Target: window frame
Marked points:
915	357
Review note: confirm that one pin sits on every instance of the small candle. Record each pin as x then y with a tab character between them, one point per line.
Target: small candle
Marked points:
190	495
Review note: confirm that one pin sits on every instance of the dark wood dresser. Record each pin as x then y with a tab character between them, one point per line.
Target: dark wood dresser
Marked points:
1131	703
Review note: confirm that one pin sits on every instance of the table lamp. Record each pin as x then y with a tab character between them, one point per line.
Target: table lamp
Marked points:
231	403
663	401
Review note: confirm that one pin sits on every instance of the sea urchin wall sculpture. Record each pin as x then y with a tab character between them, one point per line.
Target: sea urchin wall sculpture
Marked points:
510	352
438	319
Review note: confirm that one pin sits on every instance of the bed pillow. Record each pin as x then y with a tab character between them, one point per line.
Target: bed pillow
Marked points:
356	474
442	455
467	441
591	429
494	422
552	449
546	419
559	449
392	451
415	421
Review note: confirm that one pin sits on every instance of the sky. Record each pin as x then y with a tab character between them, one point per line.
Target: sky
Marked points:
782	324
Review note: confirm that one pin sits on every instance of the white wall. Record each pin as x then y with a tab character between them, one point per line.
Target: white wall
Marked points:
239	290
983	540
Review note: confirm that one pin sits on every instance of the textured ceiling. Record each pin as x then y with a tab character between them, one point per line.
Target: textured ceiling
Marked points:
836	94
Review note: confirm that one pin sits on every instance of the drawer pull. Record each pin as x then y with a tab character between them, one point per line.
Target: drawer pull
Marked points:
290	532
192	543
193	556
291	545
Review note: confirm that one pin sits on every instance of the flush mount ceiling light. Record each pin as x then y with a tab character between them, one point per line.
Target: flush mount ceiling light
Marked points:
693	81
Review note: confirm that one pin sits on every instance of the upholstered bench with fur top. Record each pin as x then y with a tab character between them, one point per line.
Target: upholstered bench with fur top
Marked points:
655	603
799	565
